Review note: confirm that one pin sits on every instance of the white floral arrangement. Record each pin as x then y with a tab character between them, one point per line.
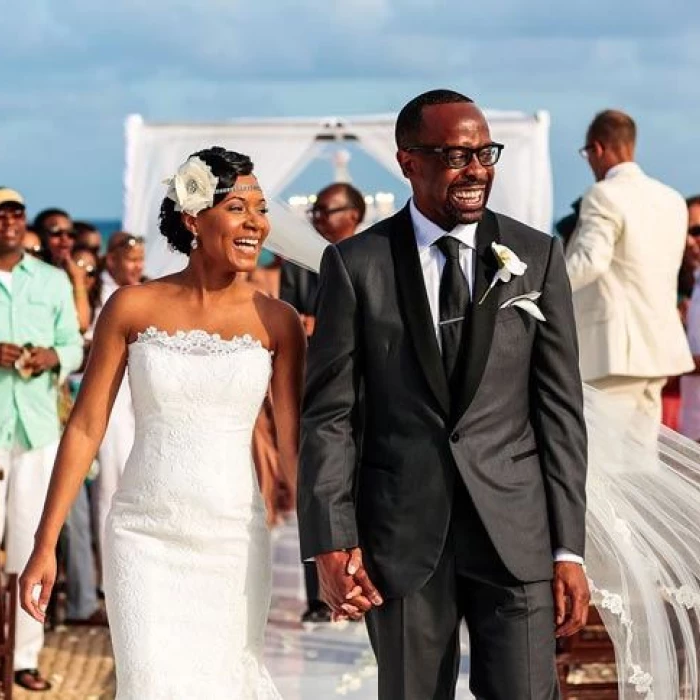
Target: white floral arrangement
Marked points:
193	186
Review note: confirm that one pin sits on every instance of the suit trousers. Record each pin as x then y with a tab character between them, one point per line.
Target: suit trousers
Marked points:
510	624
26	476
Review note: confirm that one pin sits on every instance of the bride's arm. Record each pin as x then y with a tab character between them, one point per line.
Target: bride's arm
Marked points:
286	390
78	447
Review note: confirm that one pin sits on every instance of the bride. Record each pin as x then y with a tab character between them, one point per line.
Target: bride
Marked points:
187	555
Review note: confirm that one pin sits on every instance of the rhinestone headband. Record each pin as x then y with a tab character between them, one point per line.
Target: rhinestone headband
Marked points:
238	188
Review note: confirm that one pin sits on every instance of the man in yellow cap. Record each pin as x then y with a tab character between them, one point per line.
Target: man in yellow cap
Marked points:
40	344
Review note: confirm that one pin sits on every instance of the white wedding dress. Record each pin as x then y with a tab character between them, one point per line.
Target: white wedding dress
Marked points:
187	554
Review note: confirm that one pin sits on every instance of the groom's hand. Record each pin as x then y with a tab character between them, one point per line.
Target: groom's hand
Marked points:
570	585
345	585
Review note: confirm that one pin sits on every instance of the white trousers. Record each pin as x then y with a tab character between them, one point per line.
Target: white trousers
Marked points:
26	476
639	400
112	455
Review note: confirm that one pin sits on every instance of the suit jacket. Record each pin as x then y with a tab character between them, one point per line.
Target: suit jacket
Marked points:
299	287
516	435
623	262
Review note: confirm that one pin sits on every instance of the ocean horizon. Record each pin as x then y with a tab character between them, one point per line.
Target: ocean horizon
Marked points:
106	227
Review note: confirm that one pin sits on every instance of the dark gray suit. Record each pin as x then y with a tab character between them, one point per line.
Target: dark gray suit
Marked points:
458	502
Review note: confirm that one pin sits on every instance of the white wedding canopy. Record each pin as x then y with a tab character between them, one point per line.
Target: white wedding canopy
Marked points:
281	148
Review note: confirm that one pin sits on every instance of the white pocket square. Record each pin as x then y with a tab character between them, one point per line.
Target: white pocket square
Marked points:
526	302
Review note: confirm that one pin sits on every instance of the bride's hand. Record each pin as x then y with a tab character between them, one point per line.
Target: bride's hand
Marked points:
40	571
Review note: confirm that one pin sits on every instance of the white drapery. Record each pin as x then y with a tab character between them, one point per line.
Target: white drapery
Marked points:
280	148
154	152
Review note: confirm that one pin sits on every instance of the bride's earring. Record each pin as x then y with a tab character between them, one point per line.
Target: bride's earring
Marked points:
195	242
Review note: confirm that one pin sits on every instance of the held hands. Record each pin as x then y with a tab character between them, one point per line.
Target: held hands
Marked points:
345	585
40	571
570	584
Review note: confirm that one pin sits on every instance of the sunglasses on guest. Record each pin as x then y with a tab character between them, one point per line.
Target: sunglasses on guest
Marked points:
58	232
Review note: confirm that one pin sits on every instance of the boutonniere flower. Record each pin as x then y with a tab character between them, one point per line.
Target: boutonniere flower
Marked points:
526	302
509	265
193	186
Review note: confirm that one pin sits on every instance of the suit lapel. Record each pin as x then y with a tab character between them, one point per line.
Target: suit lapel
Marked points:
482	319
413	301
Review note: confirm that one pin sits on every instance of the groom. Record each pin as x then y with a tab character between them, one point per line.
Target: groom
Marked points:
468	498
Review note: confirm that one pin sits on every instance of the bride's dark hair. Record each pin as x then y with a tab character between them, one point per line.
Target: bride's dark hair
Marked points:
227	166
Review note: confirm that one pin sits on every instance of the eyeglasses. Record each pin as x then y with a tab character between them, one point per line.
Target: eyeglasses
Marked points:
583	151
458	157
322	213
58	232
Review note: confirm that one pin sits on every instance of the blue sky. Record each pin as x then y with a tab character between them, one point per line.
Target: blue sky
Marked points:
75	68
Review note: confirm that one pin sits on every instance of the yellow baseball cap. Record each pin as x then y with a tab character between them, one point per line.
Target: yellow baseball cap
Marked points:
9	196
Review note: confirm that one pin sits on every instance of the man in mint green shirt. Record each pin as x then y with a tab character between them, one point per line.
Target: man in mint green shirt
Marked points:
40	344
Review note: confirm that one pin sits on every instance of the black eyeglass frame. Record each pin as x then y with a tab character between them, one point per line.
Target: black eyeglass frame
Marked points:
321	212
467	153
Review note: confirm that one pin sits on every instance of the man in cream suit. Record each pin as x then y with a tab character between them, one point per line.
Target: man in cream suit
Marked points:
623	263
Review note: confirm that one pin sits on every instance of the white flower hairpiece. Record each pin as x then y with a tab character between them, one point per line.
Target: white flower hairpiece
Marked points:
193	186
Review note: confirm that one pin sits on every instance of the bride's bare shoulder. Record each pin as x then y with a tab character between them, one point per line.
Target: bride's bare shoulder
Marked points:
281	319
132	308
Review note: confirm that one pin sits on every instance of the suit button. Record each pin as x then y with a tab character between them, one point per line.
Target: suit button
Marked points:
454	437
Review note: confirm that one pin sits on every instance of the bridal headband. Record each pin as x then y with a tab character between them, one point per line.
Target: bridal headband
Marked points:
194	185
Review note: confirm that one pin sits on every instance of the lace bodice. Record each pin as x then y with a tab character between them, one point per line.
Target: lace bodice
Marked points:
198	377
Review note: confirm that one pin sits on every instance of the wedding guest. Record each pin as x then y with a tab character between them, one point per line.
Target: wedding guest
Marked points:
32	244
88	237
623	262
83	606
40	345
124	264
336	214
57	234
689	414
274	490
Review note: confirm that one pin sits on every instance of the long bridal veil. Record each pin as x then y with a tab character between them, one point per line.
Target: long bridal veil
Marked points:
643	551
643	529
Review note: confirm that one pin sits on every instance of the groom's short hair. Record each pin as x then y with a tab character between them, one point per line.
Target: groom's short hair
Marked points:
410	119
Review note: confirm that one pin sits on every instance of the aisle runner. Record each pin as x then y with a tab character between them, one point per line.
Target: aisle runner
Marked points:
322	661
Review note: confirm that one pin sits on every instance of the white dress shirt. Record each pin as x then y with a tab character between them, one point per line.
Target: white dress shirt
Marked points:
432	262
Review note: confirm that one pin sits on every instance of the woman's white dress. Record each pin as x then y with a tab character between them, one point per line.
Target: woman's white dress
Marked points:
187	554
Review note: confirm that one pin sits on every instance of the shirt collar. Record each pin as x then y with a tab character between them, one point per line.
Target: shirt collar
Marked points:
28	264
428	232
628	167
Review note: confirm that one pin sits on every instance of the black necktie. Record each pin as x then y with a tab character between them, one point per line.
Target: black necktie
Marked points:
454	308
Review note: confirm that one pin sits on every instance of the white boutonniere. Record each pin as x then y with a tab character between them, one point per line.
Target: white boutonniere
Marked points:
193	186
509	265
526	302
